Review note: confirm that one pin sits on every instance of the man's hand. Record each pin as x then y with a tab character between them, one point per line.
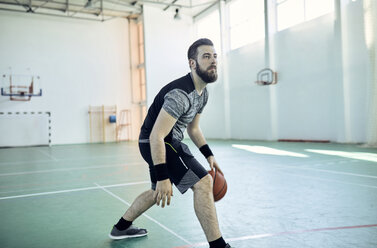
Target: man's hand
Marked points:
213	164
164	191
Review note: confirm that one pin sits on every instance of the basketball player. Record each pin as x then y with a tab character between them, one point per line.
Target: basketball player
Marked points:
176	107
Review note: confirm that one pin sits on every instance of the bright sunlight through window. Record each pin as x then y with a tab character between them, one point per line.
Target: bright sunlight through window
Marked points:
268	151
293	12
372	157
246	22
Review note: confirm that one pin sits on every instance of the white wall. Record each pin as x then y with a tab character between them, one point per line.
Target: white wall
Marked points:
308	81
322	89
249	103
80	63
370	19
166	44
212	121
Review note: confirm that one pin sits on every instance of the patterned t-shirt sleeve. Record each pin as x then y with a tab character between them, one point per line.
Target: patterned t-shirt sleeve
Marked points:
176	103
205	100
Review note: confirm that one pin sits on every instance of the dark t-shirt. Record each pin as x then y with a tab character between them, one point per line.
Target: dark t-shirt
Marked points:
180	99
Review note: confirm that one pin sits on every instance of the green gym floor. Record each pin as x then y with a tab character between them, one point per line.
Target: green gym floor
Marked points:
293	195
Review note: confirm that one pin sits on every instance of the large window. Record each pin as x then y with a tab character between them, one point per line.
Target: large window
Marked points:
246	22
292	12
246	19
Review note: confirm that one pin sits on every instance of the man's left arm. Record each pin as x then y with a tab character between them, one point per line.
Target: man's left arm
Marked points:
196	135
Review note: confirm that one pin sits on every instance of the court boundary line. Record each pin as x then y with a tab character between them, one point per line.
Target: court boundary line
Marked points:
329	180
265	235
145	215
72	190
69	169
321	170
47	155
67	159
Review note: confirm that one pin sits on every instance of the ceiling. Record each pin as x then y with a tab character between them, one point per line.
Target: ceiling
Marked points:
103	10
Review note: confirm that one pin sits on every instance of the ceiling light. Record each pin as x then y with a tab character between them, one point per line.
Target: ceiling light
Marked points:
177	16
88	4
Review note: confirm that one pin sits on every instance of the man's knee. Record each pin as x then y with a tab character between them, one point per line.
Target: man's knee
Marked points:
205	184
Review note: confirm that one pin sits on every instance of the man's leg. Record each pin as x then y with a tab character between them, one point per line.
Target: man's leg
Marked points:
124	229
141	204
205	208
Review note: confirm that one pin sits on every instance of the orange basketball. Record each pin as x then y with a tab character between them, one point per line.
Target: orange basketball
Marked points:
219	184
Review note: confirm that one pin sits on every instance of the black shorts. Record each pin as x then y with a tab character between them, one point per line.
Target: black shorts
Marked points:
183	169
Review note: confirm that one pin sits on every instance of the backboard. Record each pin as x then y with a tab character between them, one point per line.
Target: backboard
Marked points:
20	87
266	77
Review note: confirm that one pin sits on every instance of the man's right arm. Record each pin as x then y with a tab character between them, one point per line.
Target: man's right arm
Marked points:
162	127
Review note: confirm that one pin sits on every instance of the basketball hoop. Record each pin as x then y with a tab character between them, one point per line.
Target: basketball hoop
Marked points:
267	77
24	88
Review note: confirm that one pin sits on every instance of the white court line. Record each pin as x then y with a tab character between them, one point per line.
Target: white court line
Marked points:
48	155
330	163
147	216
330	180
68	159
24	162
99	157
327	171
72	190
66	169
258	236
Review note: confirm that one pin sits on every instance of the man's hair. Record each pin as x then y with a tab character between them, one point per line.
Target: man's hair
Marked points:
193	49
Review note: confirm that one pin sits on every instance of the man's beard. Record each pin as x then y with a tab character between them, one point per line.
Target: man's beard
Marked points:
205	75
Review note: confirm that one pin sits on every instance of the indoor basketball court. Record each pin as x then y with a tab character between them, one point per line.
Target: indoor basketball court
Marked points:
291	120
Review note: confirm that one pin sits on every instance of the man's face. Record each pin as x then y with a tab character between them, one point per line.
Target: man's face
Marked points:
206	64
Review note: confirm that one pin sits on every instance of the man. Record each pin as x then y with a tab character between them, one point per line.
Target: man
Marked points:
176	107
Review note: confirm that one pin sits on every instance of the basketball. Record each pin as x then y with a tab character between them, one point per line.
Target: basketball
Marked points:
219	185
